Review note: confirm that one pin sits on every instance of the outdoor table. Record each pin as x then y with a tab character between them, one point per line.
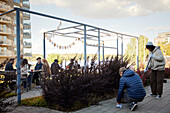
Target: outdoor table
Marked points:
35	71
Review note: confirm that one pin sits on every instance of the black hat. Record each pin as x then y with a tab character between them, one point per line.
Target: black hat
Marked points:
11	59
55	60
39	58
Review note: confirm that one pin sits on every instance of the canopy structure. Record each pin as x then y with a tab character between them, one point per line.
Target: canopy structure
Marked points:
81	30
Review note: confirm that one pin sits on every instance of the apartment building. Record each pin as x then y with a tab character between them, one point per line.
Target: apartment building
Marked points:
162	37
8	29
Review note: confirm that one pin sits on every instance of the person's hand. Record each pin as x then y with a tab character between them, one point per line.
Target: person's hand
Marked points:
119	105
145	70
151	56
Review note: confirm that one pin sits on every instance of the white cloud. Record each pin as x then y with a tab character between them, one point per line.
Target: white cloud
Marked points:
115	26
157	29
109	8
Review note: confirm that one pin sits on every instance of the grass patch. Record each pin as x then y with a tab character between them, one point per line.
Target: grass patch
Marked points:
35	101
7	94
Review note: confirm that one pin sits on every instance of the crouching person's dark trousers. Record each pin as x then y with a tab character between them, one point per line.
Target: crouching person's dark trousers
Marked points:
130	100
156	82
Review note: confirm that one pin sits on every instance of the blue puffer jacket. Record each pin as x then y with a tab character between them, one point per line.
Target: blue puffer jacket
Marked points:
133	84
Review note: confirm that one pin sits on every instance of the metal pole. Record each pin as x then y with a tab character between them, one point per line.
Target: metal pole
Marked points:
99	46
144	51
122	47
18	56
84	47
103	52
137	53
44	45
117	47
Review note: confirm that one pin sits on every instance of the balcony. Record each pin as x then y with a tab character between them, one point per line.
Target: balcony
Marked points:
27	34
26	3
5	31
5	19
28	54
5	54
4	7
26	15
27	24
27	44
6	43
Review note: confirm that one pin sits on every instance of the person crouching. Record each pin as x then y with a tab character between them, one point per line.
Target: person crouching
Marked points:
135	91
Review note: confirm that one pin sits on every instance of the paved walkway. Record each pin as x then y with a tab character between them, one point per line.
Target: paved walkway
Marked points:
149	105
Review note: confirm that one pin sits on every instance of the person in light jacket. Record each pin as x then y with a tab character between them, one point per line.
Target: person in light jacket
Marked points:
157	65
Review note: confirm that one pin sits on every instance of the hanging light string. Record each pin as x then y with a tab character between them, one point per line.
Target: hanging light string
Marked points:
49	38
70	45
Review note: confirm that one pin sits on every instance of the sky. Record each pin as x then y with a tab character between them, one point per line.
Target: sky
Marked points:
134	17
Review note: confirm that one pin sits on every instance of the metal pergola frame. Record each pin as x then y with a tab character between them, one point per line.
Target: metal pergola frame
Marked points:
18	10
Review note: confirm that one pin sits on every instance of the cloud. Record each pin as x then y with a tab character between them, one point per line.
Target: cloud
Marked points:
115	26
105	9
158	29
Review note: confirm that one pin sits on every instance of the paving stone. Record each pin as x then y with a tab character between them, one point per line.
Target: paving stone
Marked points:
148	105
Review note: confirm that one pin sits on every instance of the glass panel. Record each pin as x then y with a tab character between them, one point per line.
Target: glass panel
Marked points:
15	31
27	22
26	2
15	41
16	1
5	39
27	42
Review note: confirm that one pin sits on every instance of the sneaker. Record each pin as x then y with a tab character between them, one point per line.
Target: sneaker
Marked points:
158	97
151	95
133	106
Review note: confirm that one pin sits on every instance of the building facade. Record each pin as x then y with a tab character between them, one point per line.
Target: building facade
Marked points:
162	38
8	29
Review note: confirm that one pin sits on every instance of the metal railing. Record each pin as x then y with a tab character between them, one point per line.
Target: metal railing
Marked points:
27	54
26	3
27	34
3	5
27	44
7	42
26	14
6	53
27	24
7	30
5	18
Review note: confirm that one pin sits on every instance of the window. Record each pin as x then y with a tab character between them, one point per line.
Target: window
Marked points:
27	8
15	41
27	22
16	1
5	39
15	31
14	19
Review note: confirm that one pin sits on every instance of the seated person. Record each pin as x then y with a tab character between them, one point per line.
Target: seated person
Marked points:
24	71
135	91
9	65
37	67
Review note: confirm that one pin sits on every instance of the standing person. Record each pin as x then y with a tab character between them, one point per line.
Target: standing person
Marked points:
46	68
55	67
135	91
37	67
71	64
157	65
9	65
